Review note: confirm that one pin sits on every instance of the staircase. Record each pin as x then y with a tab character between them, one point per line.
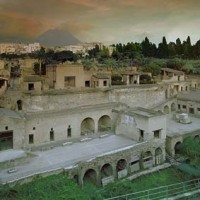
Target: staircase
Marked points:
172	160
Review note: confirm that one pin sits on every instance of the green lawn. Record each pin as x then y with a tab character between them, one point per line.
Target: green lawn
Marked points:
58	187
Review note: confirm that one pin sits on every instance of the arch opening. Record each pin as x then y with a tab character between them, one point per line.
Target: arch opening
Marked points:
104	123
177	148
173	107
158	156
87	126
166	109
121	168
147	159
19	104
90	176
106	170
106	174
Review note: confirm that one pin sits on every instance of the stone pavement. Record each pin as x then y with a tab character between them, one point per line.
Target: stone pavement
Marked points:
175	128
11	154
66	156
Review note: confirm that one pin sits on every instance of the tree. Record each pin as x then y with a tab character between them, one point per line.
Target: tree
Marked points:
103	54
41	58
172	49
191	148
116	54
119	47
153	68
148	49
64	56
93	52
163	49
187	48
197	50
175	63
178	47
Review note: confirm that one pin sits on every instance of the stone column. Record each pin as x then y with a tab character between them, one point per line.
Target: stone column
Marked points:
96	126
127	80
138	79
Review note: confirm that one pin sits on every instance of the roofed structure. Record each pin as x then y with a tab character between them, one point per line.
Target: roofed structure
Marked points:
175	72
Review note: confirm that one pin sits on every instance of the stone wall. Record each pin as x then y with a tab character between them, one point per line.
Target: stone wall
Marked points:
133	97
112	159
45	113
40	124
64	101
138	96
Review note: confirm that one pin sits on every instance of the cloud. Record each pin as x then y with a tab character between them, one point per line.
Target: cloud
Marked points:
75	26
13	24
100	19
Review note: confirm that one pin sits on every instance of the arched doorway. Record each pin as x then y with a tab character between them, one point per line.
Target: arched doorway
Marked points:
121	168
19	104
106	174
158	156
166	109
147	159
104	123
173	107
90	176
87	126
177	148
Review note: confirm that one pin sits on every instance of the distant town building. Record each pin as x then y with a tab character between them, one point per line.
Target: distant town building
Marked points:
83	48
18	48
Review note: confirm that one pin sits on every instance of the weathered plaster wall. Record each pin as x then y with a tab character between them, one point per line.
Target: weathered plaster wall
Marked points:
133	97
60	102
40	124
138	96
17	126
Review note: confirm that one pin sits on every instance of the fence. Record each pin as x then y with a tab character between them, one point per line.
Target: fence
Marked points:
176	191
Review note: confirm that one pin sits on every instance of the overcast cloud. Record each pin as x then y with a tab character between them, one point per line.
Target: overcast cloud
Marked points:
108	21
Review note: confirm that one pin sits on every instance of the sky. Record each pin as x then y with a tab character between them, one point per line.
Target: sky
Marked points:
107	21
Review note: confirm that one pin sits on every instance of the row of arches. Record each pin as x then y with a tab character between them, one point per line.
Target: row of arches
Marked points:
108	172
169	108
88	125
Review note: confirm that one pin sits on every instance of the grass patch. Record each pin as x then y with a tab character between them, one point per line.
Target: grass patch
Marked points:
60	187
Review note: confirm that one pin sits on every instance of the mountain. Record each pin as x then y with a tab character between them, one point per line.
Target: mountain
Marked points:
56	37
